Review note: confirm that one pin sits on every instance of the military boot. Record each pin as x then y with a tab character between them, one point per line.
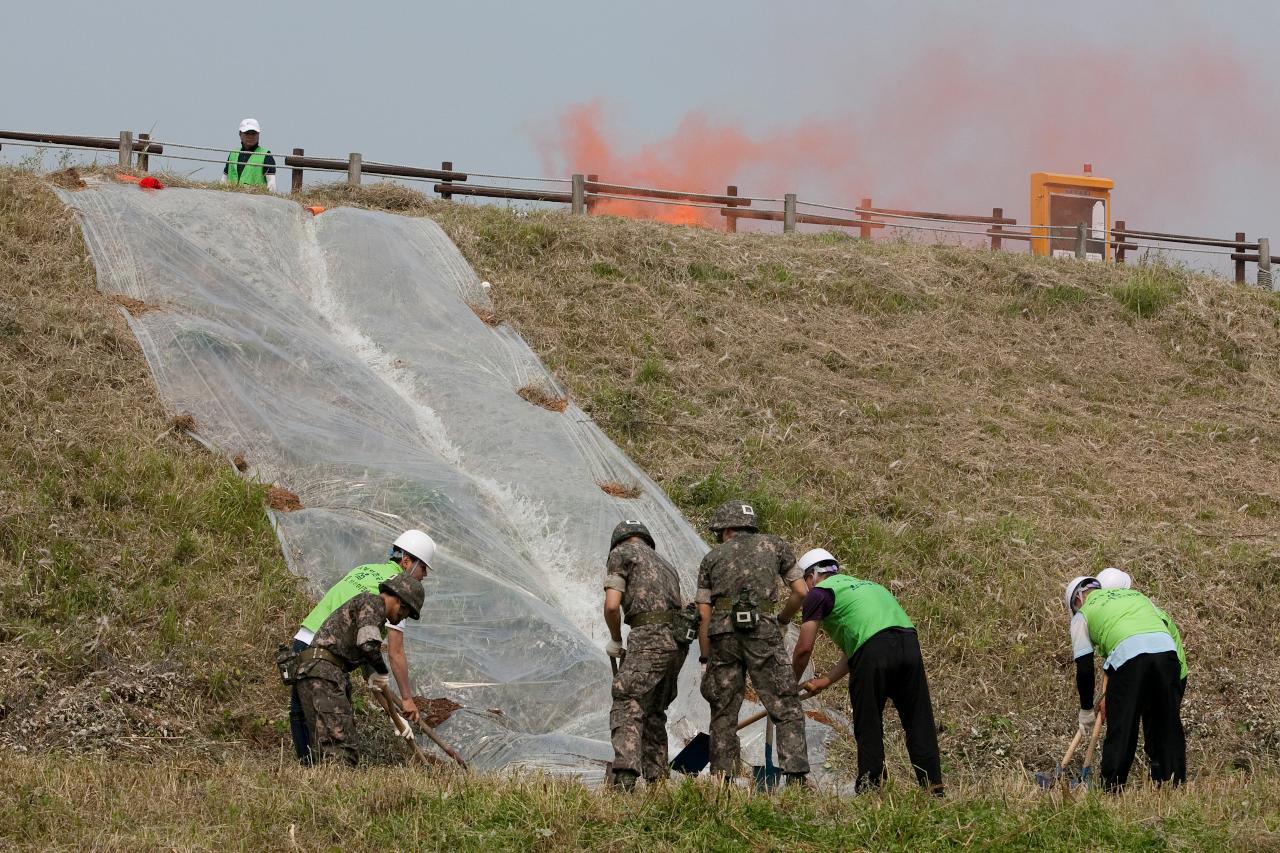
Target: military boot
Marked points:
625	779
800	780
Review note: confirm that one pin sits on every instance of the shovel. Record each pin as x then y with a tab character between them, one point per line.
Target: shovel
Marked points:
696	754
768	776
608	768
406	731
1047	780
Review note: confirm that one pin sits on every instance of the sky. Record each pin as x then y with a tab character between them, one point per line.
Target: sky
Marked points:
928	106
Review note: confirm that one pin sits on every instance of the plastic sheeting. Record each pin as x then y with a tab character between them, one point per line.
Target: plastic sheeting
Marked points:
341	356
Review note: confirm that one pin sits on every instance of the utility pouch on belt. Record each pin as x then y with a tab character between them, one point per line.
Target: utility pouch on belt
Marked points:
287	664
684	625
745	613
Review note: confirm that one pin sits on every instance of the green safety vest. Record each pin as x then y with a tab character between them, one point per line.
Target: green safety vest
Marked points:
1177	641
252	174
360	579
1115	615
862	610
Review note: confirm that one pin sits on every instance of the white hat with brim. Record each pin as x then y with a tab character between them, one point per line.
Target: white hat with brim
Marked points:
250	124
818	555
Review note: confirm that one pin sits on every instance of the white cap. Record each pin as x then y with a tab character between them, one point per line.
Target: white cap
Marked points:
818	555
1073	585
249	124
417	544
1113	578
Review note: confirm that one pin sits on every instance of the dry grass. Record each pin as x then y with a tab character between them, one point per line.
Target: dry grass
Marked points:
78	804
969	428
540	395
140	582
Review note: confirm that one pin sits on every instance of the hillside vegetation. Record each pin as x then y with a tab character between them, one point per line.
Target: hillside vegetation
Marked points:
969	428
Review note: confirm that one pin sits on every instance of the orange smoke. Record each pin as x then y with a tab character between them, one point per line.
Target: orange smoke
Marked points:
960	128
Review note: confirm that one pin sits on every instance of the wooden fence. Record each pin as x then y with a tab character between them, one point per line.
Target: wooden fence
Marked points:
586	193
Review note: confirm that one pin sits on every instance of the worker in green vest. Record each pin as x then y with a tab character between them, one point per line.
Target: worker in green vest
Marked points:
1141	662
881	655
252	165
411	553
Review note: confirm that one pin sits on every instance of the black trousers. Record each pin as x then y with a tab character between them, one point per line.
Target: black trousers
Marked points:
889	667
297	722
1147	690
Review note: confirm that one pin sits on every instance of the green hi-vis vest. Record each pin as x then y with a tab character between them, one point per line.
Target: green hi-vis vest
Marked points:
1177	641
1115	615
360	579
252	174
862	610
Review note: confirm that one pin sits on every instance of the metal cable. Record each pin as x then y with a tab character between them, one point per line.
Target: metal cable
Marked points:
645	200
869	212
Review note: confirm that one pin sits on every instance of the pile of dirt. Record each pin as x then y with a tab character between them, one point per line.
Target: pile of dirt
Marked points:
539	395
136	307
620	490
435	711
282	500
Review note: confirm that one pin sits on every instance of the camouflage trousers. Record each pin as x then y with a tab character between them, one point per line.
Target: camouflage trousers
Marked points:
325	693
642	690
762	655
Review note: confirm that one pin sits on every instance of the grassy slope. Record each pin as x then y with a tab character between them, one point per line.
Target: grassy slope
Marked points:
969	428
123	546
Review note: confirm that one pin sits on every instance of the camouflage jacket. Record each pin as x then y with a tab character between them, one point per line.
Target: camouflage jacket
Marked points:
756	561
647	583
353	632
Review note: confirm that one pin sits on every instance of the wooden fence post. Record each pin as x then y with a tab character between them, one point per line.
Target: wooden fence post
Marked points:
590	200
996	213
1264	263
578	194
788	213
353	169
143	160
126	149
1239	264
1081	245
864	231
295	179
731	222
1119	241
446	166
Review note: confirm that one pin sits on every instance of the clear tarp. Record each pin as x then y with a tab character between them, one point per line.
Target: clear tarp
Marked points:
340	355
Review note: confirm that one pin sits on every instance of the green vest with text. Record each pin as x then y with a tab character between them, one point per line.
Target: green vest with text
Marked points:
862	610
360	579
1115	615
251	174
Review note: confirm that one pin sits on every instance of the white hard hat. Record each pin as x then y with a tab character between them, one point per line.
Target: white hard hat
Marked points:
1113	578
417	544
249	124
1072	586
818	555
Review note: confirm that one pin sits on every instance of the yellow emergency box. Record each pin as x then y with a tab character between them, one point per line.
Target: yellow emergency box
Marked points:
1059	203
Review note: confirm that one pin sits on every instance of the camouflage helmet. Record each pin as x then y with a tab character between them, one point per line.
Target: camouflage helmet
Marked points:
408	589
627	529
734	515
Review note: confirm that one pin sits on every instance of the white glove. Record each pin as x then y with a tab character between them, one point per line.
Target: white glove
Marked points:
378	681
1086	721
407	734
614	649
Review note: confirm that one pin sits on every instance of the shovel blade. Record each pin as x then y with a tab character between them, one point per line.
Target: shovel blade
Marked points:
768	776
695	756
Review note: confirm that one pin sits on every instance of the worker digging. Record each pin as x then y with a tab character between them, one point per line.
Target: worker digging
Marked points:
739	619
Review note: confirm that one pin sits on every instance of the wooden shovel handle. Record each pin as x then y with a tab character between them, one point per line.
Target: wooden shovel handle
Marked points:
1097	729
760	715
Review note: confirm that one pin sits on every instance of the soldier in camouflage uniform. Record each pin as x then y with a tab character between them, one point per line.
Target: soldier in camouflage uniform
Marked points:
350	637
646	588
750	561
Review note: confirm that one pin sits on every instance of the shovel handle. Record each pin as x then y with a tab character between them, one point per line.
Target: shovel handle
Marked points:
760	715
401	724
1097	729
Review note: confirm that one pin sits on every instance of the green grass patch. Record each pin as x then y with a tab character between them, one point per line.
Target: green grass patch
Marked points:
1149	289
